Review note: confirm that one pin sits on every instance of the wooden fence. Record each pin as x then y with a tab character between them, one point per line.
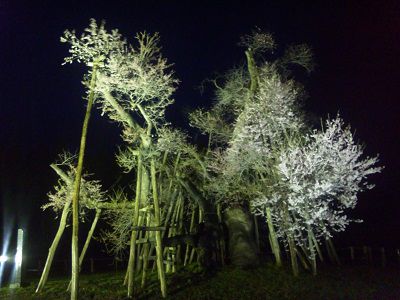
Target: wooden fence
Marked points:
375	256
378	256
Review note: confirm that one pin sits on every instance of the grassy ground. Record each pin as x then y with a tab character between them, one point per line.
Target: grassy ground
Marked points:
265	282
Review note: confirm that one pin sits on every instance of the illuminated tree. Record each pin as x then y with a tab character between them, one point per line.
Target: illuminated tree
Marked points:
92	48
316	182
134	90
265	150
263	160
242	96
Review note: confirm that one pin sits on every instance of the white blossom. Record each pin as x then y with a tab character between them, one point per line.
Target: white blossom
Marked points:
264	121
318	181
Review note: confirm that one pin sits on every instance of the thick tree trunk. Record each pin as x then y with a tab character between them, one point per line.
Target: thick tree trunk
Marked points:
242	245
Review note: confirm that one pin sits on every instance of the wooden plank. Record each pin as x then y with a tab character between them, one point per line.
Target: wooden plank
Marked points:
149	228
146	240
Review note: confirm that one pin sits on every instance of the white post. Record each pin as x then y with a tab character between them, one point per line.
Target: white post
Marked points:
18	260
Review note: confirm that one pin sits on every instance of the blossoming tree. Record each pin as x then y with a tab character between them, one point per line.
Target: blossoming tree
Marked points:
302	181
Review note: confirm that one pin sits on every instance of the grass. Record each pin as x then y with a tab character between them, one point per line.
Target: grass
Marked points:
265	282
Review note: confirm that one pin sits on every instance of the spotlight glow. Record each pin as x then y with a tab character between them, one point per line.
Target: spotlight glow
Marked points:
18	259
3	258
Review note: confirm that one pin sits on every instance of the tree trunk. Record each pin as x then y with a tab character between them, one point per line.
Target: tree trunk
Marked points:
242	246
53	247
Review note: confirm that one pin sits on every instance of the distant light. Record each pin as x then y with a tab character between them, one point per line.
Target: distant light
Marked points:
3	258
18	259
18	254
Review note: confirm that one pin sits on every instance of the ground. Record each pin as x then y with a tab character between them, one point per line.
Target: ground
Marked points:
264	282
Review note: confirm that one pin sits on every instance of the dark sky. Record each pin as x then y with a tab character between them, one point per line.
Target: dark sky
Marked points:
357	51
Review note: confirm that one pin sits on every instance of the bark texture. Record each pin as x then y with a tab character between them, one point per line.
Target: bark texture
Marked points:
242	246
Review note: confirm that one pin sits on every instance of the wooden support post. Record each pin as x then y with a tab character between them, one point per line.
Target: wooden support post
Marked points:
312	256
256	232
77	187
398	255
332	251
138	266
370	254
383	257
53	247
221	238
365	253
87	242
91	265
132	250
179	221
293	256
187	252
159	247
89	237
321	257
273	239
146	251
302	257
352	253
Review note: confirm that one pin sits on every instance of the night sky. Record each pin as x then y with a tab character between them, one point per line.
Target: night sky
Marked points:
357	52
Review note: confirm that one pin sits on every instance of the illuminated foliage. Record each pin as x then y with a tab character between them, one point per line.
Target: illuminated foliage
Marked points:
91	192
316	182
302	181
136	85
94	43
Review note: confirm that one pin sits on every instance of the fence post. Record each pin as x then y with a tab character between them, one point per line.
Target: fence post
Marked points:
365	253
91	265
383	257
352	253
370	254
